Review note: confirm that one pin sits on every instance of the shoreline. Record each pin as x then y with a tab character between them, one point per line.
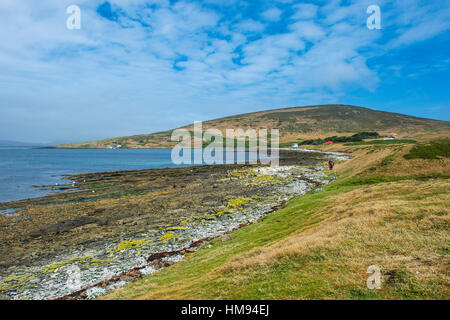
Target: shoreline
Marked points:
223	203
70	187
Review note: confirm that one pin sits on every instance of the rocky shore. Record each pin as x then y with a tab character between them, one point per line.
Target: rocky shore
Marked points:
107	229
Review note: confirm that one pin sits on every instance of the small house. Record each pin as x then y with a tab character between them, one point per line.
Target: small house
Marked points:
393	136
115	145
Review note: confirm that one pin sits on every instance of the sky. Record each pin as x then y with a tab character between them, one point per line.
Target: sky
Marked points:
138	66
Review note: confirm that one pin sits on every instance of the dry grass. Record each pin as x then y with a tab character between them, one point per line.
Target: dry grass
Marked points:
387	160
381	216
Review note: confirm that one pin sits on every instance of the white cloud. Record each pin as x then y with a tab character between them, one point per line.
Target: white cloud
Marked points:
305	11
250	25
416	25
272	14
308	30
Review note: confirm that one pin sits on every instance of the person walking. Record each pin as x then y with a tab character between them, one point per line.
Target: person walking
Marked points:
331	164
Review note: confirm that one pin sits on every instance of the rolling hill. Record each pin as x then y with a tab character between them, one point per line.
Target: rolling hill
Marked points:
297	124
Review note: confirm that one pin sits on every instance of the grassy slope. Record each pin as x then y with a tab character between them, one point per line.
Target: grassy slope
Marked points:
297	124
320	245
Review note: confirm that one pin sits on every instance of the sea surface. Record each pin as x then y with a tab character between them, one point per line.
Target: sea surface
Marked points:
22	169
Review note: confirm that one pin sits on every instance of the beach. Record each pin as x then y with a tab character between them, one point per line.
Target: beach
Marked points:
107	226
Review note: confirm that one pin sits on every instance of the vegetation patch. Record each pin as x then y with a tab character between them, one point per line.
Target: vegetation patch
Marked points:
432	150
176	228
127	244
356	137
381	179
17	282
89	261
381	142
238	202
168	236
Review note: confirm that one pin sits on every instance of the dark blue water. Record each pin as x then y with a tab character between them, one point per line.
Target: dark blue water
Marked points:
21	168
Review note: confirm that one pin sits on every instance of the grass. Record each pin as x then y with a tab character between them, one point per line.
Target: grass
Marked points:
432	150
380	142
382	179
286	144
319	246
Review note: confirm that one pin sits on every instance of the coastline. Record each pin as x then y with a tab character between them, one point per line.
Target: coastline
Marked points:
107	234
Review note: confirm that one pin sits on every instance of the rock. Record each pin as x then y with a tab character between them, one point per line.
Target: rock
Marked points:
157	264
125	277
198	243
135	273
168	263
157	256
226	237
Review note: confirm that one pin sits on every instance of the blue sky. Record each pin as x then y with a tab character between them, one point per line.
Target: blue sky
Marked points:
139	66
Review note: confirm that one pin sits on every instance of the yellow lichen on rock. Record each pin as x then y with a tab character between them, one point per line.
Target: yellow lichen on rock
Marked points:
127	244
168	236
18	282
176	228
238	202
88	261
57	265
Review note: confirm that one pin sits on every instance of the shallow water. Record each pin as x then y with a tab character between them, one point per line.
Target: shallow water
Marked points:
23	168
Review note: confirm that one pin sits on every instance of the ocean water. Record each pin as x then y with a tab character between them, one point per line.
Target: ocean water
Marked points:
23	168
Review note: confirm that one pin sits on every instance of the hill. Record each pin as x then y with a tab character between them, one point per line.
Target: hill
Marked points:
297	124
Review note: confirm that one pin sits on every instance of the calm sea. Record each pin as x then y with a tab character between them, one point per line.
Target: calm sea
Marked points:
21	168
